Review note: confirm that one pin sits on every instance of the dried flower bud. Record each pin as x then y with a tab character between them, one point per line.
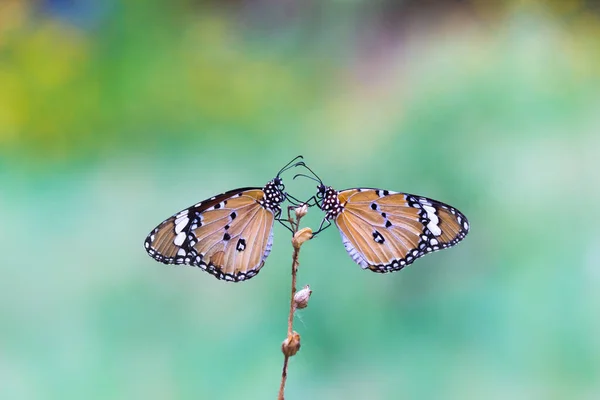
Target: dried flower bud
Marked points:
291	344
301	211
301	297
301	236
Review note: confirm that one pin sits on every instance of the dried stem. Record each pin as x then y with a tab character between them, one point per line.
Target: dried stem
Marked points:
292	306
292	343
283	378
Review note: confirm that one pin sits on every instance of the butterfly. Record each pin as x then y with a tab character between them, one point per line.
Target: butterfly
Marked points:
229	235
385	231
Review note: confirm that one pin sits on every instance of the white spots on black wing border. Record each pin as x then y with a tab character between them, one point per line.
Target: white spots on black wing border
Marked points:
193	258
149	241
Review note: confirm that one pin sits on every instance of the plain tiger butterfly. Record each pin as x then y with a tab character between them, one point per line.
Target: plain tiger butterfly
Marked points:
385	231
229	235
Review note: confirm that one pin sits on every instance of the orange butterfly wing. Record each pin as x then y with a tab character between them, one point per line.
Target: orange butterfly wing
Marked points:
229	235
385	231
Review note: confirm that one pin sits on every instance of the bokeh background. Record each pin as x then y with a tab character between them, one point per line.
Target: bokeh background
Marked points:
116	114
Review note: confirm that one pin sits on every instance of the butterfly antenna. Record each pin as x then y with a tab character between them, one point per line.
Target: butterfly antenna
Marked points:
306	176
291	165
314	176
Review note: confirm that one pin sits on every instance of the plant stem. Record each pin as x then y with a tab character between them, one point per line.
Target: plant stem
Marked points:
292	307
283	378
295	223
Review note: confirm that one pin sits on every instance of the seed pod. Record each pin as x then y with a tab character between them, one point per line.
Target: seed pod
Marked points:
301	211
301	236
291	344
301	297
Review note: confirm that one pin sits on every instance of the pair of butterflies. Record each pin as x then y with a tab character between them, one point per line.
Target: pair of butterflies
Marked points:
231	235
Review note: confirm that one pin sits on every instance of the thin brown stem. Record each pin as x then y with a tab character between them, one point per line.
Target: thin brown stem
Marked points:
283	378
295	223
292	306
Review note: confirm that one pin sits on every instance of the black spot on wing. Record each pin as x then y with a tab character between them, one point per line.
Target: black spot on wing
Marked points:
378	238
241	245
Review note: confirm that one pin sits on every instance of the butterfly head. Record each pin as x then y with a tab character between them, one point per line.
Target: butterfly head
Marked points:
322	191
328	201
274	192
326	197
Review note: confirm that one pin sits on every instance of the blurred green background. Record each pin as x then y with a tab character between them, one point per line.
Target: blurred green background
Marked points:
116	114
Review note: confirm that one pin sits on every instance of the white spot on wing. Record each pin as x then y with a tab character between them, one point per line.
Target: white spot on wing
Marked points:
181	223
178	241
433	220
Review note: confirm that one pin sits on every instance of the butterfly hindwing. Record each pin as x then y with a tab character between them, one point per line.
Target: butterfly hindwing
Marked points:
385	231
229	235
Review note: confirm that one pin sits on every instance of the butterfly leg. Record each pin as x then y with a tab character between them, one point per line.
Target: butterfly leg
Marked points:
295	201
322	228
314	200
282	221
308	202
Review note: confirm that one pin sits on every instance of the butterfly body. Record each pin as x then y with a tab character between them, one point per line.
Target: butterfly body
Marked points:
229	235
384	231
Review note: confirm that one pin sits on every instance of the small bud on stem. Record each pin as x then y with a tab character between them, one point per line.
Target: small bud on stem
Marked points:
301	236
301	297
301	211
291	344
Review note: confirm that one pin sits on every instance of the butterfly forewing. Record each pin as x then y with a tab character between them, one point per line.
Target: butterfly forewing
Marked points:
229	235
385	231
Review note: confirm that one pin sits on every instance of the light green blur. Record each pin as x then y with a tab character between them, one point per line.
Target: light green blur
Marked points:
110	126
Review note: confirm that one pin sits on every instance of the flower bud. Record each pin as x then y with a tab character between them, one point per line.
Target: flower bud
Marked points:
301	236
291	344
301	211
301	297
